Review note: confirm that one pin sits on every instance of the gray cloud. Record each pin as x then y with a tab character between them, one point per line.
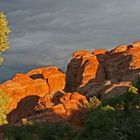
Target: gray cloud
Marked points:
46	32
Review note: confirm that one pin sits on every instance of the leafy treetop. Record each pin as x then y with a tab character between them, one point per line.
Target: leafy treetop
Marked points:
4	32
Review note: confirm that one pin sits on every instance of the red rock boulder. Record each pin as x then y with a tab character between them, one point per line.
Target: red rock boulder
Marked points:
65	107
84	68
37	82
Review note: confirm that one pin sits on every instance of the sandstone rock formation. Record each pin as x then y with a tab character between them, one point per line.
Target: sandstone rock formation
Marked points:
65	107
125	65
83	68
37	82
57	106
88	72
47	94
54	77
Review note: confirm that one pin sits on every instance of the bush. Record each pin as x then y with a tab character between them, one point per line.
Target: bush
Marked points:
94	103
3	108
51	131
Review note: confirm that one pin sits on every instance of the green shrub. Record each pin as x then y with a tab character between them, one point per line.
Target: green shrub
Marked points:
94	103
50	131
137	85
99	125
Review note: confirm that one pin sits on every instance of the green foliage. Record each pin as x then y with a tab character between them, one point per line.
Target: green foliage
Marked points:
94	103
137	85
108	108
4	32
3	108
50	131
111	125
133	89
99	126
114	102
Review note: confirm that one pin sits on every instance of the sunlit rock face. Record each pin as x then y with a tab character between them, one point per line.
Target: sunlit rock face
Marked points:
36	82
53	76
83	69
88	72
73	69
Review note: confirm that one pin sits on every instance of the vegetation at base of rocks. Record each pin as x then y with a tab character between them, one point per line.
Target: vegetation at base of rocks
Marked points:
50	131
4	32
109	124
137	84
94	103
3	108
116	118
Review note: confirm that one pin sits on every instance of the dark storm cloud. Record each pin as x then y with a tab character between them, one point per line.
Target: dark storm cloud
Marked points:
46	32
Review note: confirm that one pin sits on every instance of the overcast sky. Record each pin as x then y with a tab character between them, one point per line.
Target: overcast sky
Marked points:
46	32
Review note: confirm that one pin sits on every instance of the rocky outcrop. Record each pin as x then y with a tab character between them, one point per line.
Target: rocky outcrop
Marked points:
57	106
47	94
65	106
49	100
37	82
60	97
93	70
83	68
123	65
116	89
53	76
73	70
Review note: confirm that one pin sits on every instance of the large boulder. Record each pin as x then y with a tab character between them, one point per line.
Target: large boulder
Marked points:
65	107
84	69
53	76
73	70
